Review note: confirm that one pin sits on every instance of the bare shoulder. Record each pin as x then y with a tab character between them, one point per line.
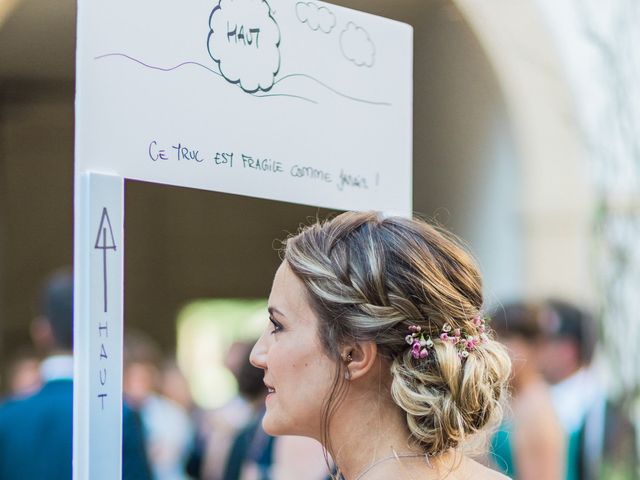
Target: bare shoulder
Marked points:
475	470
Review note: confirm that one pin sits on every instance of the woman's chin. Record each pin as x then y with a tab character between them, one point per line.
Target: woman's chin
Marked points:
276	427
270	427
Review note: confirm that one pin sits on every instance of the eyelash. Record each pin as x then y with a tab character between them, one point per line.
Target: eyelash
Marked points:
276	326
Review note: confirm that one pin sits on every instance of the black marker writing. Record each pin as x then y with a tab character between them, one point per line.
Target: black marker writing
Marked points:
299	171
157	154
184	153
105	242
343	180
349	180
103	328
264	165
244	36
223	158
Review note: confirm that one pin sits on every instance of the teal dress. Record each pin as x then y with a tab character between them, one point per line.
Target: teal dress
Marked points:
501	452
574	455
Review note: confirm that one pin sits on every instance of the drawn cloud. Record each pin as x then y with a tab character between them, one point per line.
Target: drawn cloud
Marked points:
356	46
316	17
244	41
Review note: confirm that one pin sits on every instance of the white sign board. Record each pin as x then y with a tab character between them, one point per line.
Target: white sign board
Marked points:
303	102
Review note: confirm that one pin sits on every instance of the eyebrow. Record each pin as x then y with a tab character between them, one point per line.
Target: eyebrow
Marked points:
273	310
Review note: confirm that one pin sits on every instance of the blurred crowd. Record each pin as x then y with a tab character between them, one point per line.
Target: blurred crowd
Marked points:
165	435
560	423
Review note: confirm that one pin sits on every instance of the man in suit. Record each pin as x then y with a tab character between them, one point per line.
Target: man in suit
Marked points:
36	431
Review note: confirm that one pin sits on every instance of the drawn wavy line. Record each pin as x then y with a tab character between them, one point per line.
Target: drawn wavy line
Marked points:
386	104
168	69
284	95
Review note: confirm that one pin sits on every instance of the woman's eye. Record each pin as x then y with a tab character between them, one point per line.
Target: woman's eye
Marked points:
276	326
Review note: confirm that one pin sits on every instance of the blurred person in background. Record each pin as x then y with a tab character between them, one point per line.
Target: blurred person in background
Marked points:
255	455
24	374
36	431
174	385
600	435
167	424
223	424
530	443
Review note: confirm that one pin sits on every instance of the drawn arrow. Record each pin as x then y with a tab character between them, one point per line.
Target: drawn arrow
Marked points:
104	242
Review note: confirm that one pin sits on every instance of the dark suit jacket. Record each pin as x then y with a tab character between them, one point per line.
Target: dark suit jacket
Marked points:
36	437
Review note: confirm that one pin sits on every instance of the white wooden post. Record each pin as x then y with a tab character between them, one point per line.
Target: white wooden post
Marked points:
98	270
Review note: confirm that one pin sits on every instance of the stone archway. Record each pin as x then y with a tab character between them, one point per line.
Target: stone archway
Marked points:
555	198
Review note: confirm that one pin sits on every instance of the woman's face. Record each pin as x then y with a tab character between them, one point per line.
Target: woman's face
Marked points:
297	372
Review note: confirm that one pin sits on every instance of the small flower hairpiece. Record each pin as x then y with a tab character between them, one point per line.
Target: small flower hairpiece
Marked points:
464	342
419	346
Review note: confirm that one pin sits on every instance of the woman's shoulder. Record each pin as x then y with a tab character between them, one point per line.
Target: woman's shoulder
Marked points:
475	470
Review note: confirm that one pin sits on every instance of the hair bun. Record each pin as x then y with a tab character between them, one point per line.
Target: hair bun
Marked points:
449	399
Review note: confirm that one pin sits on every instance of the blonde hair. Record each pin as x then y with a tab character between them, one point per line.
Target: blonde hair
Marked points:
369	278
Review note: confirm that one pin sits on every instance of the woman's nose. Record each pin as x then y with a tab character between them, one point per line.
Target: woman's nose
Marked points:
258	355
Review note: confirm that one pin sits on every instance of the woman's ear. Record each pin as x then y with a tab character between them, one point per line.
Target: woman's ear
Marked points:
359	358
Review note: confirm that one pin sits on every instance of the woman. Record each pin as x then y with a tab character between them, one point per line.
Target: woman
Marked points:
378	349
530	443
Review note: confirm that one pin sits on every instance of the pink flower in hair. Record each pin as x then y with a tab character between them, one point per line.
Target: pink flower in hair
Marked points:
463	341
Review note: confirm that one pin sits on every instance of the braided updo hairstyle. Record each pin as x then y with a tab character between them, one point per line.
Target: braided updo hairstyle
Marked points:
369	278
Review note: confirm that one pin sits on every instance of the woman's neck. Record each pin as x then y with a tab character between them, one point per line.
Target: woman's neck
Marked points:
363	432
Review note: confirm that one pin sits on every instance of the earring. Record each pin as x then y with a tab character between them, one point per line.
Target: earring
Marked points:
347	360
